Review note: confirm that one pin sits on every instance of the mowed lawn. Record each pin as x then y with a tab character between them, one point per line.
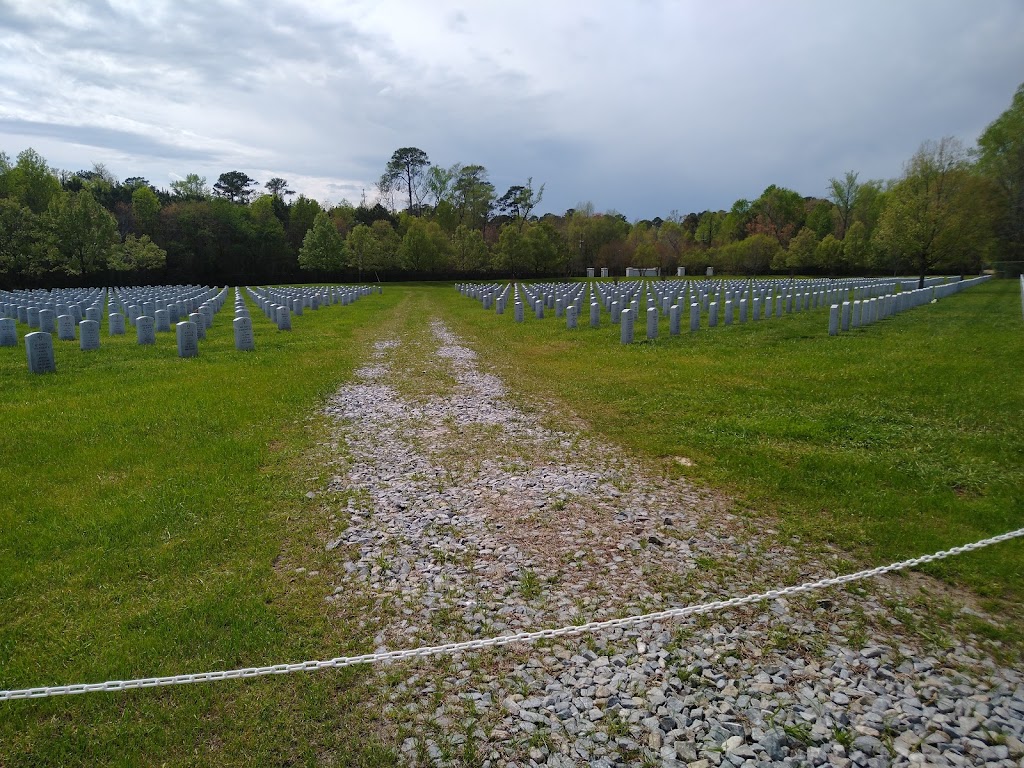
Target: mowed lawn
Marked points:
154	510
891	441
153	514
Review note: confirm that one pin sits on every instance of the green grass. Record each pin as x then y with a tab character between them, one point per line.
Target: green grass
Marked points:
154	509
890	441
147	500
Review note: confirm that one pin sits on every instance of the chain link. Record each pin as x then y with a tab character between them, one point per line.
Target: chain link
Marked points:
501	640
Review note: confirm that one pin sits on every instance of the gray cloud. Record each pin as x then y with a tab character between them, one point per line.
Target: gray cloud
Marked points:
666	106
97	136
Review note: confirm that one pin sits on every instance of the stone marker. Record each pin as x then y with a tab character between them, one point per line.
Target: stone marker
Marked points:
200	322
39	351
145	329
519	311
855	317
284	319
538	309
570	316
626	329
845	321
652	323
728	312
66	328
244	339
115	324
47	321
188	339
595	314
33	317
694	317
89	335
163	321
673	320
8	332
616	311
833	320
713	314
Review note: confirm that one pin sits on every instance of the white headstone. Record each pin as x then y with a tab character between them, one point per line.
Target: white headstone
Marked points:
163	321
8	332
66	328
115	322
89	335
145	329
284	319
47	321
200	323
39	350
244	340
188	339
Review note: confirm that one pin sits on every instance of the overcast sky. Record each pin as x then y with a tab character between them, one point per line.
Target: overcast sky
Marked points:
641	107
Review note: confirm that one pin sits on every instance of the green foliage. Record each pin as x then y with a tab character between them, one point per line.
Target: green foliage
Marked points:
235	186
81	234
323	249
405	170
425	248
363	247
31	182
145	209
302	214
1001	159
469	251
270	249
192	188
800	255
821	218
843	194
778	212
20	239
137	255
936	213
856	248
473	196
519	201
708	227
828	255
751	256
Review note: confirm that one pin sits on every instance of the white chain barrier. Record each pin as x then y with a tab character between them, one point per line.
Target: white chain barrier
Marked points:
501	640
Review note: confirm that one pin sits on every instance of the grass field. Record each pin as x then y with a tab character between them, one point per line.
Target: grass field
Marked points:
154	509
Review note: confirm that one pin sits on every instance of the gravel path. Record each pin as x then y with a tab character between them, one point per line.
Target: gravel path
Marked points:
469	517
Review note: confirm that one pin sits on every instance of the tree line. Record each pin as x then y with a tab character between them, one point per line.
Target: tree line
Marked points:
953	209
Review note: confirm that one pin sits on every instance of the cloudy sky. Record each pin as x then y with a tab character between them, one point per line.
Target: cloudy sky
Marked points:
642	107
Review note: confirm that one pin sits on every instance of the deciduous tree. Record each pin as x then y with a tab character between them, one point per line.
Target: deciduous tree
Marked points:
934	213
323	249
1001	159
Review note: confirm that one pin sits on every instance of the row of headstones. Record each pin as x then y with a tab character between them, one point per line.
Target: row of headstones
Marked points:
843	317
39	345
638	300
798	295
169	304
279	304
29	310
